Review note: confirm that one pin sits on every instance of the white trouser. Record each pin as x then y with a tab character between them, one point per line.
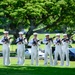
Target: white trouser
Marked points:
48	51
6	54
20	53
65	53
58	51
34	55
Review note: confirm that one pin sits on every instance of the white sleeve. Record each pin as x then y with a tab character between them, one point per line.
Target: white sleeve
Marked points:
70	42
54	41
44	41
51	42
25	41
62	42
39	43
1	41
17	40
30	43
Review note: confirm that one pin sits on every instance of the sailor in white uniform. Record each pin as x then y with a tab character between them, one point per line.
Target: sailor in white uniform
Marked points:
6	48
21	41
48	50
58	49
34	43
65	49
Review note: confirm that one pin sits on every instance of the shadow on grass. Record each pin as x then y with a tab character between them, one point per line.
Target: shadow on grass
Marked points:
31	70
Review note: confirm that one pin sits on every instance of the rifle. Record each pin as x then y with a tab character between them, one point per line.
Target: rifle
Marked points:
6	39
65	40
35	42
59	41
50	39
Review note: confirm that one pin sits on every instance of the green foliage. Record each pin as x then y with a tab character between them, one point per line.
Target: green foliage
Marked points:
51	14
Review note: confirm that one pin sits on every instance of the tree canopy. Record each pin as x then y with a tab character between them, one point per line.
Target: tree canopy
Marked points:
37	15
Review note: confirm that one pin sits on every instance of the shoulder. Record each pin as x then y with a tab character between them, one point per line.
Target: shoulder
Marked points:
18	38
44	39
31	39
2	37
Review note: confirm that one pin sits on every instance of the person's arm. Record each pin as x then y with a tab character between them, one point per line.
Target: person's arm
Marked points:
30	43
38	42
44	41
70	42
55	42
1	41
10	41
17	40
25	41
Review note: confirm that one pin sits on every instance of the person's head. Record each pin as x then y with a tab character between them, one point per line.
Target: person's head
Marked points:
47	36
6	33
35	35
58	35
20	34
64	35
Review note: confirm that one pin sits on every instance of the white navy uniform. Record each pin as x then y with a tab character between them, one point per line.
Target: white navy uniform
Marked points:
21	50
65	50
58	51
48	51
6	50
34	51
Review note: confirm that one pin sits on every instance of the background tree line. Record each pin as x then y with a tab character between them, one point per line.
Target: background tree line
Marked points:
37	15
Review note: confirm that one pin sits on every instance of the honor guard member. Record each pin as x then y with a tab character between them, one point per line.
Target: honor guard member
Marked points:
48	50
34	43
21	41
58	49
6	48
65	49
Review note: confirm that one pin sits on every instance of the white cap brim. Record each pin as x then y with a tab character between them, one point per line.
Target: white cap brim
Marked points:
46	34
64	34
20	32
5	32
57	34
35	33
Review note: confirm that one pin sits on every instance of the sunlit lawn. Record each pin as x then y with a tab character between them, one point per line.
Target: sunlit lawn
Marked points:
27	69
13	61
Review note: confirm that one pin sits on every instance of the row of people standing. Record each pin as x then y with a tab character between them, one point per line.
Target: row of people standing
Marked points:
21	41
61	48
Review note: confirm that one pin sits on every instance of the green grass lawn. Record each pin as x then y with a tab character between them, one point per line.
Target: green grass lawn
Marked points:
27	69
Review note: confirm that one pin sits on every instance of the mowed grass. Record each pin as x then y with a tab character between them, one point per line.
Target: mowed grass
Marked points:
27	69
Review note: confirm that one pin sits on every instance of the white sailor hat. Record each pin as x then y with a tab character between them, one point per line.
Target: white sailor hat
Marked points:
58	34
20	32
35	33
5	32
46	34
64	34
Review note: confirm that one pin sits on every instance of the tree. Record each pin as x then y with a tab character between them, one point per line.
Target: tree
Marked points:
38	15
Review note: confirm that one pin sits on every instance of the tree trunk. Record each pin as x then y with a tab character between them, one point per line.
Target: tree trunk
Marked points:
30	31
28	34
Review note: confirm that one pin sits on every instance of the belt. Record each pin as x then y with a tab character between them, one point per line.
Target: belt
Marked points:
5	43
58	44
20	43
